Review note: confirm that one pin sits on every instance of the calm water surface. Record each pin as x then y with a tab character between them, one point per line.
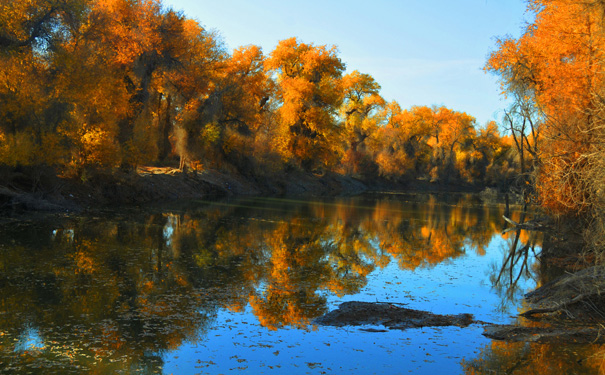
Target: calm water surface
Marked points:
234	287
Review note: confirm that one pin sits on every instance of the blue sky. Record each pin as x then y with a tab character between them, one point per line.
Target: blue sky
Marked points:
422	52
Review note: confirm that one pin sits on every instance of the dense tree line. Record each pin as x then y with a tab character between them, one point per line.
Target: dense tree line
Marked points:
89	85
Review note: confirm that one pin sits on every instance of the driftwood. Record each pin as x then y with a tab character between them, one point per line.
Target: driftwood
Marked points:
534	225
388	315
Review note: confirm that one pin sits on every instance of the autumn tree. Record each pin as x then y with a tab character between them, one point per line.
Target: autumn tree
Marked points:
359	110
399	142
555	67
451	132
32	36
309	89
38	24
87	86
234	111
154	51
428	142
493	157
247	100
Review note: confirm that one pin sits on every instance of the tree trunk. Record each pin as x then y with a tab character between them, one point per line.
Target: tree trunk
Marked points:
164	145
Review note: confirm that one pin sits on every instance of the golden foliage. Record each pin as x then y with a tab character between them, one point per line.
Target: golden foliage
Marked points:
98	147
308	79
556	66
108	83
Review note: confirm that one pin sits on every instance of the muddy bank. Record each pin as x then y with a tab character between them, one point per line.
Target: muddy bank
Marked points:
61	194
390	316
575	296
569	309
40	189
546	335
43	191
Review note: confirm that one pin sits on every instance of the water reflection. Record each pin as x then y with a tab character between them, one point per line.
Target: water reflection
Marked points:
519	249
536	359
529	358
112	293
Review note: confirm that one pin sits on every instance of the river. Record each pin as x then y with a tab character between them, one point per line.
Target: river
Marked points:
234	286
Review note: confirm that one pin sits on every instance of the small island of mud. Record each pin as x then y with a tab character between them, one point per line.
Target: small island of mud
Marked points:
390	316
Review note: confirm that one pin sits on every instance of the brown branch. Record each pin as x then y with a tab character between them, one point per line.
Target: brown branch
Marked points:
37	29
530	225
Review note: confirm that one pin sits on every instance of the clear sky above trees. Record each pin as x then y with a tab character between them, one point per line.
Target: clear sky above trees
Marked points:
422	52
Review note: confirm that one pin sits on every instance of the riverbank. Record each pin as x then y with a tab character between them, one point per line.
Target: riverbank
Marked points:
46	193
43	191
35	190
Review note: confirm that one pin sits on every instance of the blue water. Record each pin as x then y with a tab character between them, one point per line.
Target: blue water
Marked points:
172	289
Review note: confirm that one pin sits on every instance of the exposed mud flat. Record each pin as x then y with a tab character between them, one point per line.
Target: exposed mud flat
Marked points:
570	310
390	316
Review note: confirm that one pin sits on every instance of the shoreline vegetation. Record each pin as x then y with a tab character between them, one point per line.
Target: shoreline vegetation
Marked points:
100	92
128	102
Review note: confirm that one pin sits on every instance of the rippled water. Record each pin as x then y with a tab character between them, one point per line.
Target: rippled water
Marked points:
234	286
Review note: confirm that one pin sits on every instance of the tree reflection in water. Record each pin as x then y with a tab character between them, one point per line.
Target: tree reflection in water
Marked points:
112	293
525	357
536	359
522	246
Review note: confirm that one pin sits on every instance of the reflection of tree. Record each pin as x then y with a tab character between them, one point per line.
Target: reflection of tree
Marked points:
306	257
516	264
354	239
352	258
295	271
113	294
530	358
97	299
432	233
